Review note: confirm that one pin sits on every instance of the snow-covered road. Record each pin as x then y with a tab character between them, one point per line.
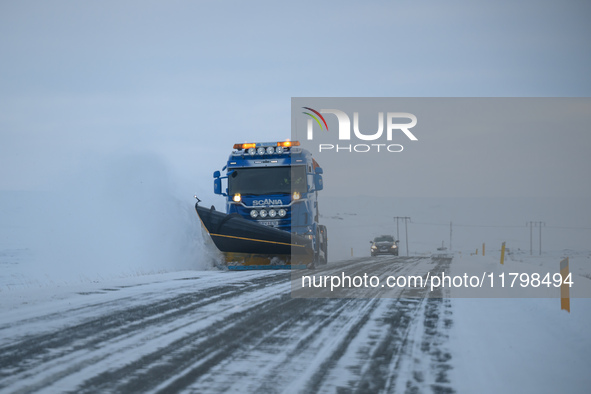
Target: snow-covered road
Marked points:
227	332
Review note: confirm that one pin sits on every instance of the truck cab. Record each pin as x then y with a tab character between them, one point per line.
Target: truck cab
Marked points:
275	184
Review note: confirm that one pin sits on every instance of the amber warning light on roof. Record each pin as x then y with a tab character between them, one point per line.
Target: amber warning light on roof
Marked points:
283	144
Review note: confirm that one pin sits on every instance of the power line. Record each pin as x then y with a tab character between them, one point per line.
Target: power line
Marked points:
467	225
500	226
462	225
569	228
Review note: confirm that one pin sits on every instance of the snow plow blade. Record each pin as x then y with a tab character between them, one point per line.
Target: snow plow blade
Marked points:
247	245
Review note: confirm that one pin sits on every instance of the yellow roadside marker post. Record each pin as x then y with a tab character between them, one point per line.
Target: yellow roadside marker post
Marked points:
564	288
503	254
483	248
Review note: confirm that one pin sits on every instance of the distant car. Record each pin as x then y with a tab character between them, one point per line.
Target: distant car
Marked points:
384	244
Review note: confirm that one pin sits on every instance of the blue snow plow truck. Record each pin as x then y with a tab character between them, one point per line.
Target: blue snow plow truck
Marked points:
271	218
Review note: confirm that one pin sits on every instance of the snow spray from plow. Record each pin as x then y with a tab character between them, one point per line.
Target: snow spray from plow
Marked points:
117	215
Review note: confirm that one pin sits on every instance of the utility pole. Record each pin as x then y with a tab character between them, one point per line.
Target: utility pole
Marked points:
530	224
450	232
541	224
531	227
406	219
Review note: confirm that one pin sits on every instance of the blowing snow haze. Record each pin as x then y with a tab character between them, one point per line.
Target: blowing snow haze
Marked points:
118	214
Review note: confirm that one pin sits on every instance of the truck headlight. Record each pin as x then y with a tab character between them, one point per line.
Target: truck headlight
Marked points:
237	197
270	150
261	151
279	149
272	213
282	212
263	213
252	151
254	213
296	195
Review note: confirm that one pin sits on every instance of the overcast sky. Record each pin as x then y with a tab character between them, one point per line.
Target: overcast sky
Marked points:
184	80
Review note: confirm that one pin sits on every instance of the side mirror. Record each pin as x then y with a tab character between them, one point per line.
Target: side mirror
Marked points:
217	186
319	171
217	183
318	185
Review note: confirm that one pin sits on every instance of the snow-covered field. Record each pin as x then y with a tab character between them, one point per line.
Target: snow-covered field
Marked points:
117	307
520	346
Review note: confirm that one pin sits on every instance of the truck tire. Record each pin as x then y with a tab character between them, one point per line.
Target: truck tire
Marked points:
324	245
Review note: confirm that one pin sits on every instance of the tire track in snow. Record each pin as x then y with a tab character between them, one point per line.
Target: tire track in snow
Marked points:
24	358
245	335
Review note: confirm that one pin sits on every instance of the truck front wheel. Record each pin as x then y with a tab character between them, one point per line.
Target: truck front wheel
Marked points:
323	245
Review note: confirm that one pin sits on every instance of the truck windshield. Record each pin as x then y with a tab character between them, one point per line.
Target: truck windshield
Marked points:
267	180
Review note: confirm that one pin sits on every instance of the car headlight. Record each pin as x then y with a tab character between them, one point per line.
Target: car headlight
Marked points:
374	247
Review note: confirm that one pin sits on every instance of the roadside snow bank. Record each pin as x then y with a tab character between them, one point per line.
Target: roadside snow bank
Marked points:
522	345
